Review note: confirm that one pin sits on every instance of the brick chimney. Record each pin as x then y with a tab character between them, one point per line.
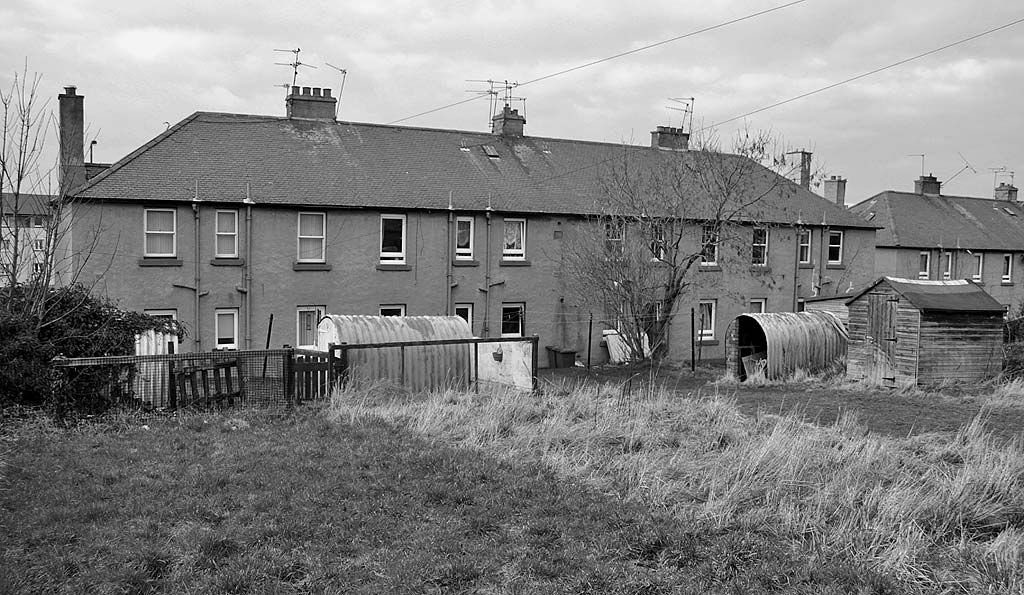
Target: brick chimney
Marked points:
927	185
835	190
1006	191
72	139
312	103
670	139
508	122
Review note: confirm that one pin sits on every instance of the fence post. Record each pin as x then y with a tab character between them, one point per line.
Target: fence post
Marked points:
476	367
401	374
535	340
289	375
172	388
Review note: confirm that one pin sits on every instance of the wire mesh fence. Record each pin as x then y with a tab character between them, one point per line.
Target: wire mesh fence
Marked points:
263	377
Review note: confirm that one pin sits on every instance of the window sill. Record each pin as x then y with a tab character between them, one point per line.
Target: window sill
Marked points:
760	268
465	263
505	262
311	266
227	262
159	261
836	266
707	342
805	265
708	268
387	266
1006	284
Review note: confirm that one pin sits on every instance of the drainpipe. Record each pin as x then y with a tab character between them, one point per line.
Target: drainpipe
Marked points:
198	274
796	265
247	282
487	275
448	259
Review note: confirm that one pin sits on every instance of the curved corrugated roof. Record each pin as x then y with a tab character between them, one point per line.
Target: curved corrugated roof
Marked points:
809	341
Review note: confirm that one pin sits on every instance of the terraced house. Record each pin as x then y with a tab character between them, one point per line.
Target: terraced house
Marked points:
929	235
225	220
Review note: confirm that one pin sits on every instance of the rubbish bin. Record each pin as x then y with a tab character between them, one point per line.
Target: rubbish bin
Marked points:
560	358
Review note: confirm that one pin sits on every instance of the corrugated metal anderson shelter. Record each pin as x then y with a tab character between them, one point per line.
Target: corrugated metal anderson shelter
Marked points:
906	332
418	368
780	343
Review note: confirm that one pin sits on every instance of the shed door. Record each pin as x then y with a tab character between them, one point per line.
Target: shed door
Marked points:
882	338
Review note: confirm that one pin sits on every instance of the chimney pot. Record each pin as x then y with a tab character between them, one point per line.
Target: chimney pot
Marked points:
316	91
327	92
70	90
305	90
295	89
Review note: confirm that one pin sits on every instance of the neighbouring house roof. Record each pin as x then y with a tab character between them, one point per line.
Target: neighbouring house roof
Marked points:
911	220
961	295
317	163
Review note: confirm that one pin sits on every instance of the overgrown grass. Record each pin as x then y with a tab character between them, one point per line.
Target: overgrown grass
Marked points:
934	513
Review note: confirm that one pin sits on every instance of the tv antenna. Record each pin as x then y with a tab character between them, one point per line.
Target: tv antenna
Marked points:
1000	171
686	104
344	75
921	155
294	63
967	166
494	89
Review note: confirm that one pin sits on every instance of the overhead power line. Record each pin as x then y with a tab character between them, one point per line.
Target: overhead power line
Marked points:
615	56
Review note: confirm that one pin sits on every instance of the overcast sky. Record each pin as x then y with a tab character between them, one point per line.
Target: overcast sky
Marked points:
141	64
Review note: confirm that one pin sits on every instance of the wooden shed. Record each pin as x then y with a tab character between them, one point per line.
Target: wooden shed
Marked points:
906	332
780	343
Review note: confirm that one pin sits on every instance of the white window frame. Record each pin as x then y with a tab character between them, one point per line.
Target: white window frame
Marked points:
839	234
468	307
173	233
465	253
762	305
947	273
1007	268
399	307
979	267
614	236
659	241
926	272
753	247
709	239
706	334
803	249
393	257
318	313
514	253
218	233
233	313
322	236
521	307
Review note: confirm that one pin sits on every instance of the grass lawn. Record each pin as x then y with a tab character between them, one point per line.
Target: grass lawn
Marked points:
257	502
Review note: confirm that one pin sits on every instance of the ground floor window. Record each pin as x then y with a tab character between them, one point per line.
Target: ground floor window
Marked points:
513	320
392	309
170	314
226	323
465	312
706	319
758	305
307	320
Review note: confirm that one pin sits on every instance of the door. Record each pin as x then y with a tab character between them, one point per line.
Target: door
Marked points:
881	338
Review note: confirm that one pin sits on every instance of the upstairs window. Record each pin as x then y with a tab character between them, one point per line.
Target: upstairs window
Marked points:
709	245
979	267
924	267
614	235
1007	268
312	237
658	241
514	239
803	242
161	233
947	265
392	239
227	234
464	238
759	247
835	247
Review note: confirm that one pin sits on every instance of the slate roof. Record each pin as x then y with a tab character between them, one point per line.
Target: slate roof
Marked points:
912	220
354	165
961	295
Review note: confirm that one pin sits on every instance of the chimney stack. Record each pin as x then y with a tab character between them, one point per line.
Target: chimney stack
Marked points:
804	178
927	185
670	139
508	122
72	140
835	190
310	103
1006	191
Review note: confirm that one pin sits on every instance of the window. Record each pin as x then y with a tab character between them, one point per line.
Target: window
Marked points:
226	324
706	320
614	234
38	244
465	312
709	245
172	344
759	247
392	309
1007	268
514	243
160	229
758	305
463	238
307	320
512	323
312	237
979	266
392	239
835	247
226	245
803	242
947	265
924	267
37	268
658	241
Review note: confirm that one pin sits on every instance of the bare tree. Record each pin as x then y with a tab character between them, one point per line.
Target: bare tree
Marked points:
663	213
